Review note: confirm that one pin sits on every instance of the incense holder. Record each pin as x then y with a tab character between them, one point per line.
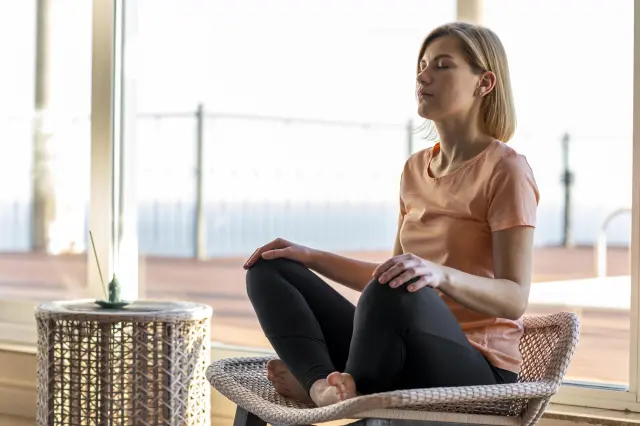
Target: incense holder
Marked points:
115	301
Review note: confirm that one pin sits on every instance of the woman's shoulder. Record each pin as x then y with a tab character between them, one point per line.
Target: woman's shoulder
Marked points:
505	160
417	161
510	173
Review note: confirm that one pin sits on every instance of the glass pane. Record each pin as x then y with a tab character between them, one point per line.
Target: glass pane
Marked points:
305	108
44	148
579	85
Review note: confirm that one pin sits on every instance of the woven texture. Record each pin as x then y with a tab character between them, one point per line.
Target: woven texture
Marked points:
142	365
547	346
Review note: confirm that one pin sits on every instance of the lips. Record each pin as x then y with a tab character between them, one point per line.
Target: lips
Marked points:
423	93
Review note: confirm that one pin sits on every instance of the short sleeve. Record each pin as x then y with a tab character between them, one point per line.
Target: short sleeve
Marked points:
513	194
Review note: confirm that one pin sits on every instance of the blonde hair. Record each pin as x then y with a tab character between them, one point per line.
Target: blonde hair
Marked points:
484	52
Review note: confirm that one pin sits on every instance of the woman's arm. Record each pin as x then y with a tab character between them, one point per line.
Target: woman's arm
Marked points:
513	200
506	295
352	273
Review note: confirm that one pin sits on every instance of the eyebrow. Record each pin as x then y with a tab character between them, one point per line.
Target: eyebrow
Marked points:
440	56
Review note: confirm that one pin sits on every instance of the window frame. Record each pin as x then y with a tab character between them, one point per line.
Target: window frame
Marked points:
17	321
111	193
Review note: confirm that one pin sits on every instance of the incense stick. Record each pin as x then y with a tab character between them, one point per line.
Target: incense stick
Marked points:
95	253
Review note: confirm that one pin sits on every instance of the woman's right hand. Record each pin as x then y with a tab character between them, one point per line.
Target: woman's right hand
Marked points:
280	248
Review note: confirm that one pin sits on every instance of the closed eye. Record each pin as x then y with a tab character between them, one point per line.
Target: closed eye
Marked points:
442	64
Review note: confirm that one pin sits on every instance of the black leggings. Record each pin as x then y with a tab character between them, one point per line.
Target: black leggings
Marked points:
392	340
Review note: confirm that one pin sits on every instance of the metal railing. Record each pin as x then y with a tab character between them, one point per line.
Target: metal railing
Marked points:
601	241
197	214
178	225
201	116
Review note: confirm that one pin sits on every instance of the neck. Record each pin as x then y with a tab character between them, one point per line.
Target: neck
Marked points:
460	139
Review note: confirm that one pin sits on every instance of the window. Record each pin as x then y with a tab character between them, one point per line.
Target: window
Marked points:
45	150
574	92
292	120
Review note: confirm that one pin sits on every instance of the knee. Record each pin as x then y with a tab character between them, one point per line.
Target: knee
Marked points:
260	276
264	268
377	296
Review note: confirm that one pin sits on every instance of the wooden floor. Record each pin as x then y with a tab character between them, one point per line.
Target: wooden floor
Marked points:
220	283
15	421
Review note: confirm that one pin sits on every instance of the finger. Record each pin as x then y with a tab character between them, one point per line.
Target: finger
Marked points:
424	281
408	276
397	269
418	284
250	259
258	253
255	256
379	269
275	253
384	267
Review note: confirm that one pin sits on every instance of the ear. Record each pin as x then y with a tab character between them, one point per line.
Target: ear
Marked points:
486	83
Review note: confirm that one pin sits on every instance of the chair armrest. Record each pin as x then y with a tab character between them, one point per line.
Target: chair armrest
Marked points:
471	394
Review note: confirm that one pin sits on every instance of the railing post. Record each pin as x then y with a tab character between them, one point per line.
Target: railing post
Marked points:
409	130
200	248
567	183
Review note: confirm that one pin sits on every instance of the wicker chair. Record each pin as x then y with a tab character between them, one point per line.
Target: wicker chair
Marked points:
547	347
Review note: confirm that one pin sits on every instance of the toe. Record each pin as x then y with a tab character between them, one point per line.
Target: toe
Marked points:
277	379
335	379
280	368
271	365
276	366
331	378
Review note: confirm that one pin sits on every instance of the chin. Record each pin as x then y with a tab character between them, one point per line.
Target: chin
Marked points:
426	113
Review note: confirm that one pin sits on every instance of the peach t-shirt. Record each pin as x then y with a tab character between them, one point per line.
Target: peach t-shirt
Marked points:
448	220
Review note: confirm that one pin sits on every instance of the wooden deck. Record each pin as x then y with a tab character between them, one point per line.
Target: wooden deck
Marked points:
220	283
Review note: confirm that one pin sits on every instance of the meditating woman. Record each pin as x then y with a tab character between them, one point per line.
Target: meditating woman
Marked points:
446	309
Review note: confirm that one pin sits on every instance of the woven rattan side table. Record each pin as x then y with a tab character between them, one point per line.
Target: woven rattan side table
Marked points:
143	364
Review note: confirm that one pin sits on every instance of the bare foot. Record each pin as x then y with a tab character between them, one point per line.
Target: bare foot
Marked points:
285	383
335	388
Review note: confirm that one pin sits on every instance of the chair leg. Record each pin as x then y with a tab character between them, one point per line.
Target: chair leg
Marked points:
245	418
375	422
278	424
389	422
371	422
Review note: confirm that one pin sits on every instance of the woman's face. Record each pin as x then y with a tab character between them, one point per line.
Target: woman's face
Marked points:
446	84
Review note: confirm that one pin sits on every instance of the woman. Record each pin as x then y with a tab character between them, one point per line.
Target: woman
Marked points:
446	309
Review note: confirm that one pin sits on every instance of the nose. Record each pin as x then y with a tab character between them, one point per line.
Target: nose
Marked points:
424	77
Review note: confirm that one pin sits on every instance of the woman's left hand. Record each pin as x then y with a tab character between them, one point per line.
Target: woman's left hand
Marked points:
408	267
